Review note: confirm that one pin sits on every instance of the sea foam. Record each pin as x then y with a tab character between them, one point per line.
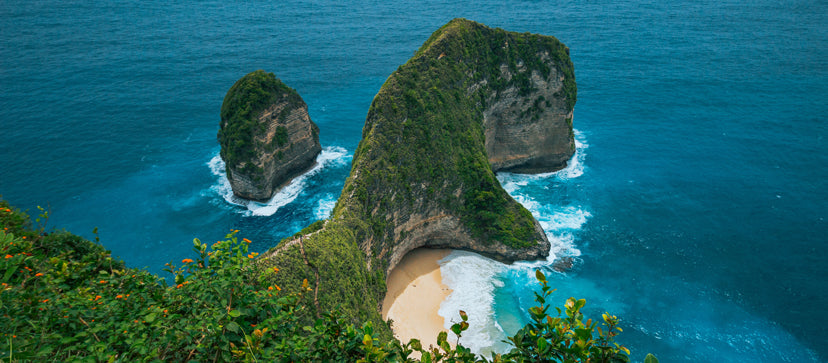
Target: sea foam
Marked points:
474	278
330	156
325	206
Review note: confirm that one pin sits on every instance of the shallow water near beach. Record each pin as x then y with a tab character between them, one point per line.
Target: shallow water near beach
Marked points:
695	208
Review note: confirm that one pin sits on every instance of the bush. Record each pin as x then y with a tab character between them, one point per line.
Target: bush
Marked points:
59	304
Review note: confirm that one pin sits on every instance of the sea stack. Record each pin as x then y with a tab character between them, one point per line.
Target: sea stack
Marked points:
267	137
471	101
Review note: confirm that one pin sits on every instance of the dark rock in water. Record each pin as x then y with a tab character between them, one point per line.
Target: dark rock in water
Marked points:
267	137
563	264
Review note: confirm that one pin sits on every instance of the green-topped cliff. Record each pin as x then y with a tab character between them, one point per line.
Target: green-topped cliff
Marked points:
266	135
422	175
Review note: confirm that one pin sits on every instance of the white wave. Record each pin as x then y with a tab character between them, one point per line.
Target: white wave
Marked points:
471	278
332	155
325	206
574	167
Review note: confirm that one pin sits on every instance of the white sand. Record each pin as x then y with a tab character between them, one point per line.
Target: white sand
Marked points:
415	292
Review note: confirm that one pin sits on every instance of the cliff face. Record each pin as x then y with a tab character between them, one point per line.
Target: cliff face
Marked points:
472	100
530	133
266	136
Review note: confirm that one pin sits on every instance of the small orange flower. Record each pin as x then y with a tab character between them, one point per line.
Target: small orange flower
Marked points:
103	281
246	240
186	260
253	254
9	256
253	325
275	269
38	274
24	237
119	296
165	311
97	297
179	286
45	301
278	288
270	288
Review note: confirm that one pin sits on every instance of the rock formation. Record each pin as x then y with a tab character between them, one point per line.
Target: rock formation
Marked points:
531	132
266	136
472	100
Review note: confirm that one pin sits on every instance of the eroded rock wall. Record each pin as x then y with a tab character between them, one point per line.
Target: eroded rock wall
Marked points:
274	142
530	133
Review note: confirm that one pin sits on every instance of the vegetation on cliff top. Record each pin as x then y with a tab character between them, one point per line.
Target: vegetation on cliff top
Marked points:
240	127
317	296
422	149
423	138
63	298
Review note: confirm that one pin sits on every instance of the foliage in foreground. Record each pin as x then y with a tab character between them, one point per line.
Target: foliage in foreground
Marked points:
63	298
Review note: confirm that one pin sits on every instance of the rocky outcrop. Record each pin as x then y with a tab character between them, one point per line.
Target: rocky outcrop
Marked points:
447	231
472	100
530	133
266	135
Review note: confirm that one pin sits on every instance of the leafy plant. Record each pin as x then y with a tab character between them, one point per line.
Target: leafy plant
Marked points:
567	338
63	298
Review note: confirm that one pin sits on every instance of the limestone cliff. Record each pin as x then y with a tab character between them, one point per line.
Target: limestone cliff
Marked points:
530	131
472	99
266	136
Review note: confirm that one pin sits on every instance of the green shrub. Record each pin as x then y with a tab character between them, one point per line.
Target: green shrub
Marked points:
63	298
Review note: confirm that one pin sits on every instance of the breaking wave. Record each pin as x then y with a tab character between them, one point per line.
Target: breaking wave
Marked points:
474	279
330	156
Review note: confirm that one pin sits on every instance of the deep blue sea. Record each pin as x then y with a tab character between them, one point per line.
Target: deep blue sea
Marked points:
695	207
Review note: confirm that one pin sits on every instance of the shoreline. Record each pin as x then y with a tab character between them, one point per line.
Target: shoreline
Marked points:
415	292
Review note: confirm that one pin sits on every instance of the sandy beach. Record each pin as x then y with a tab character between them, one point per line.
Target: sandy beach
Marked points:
415	291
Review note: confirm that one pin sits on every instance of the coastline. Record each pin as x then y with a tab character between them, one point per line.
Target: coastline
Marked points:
415	292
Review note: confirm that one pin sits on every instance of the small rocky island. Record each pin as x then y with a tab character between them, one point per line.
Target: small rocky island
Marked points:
267	137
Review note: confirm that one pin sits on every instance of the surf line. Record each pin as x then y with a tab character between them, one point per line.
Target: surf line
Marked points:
330	156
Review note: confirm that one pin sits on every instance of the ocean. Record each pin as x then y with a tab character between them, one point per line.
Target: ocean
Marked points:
694	208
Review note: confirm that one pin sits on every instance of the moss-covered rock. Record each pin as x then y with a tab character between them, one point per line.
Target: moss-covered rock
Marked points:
266	135
422	174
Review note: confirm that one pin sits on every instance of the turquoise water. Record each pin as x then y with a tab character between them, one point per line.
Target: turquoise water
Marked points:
696	211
